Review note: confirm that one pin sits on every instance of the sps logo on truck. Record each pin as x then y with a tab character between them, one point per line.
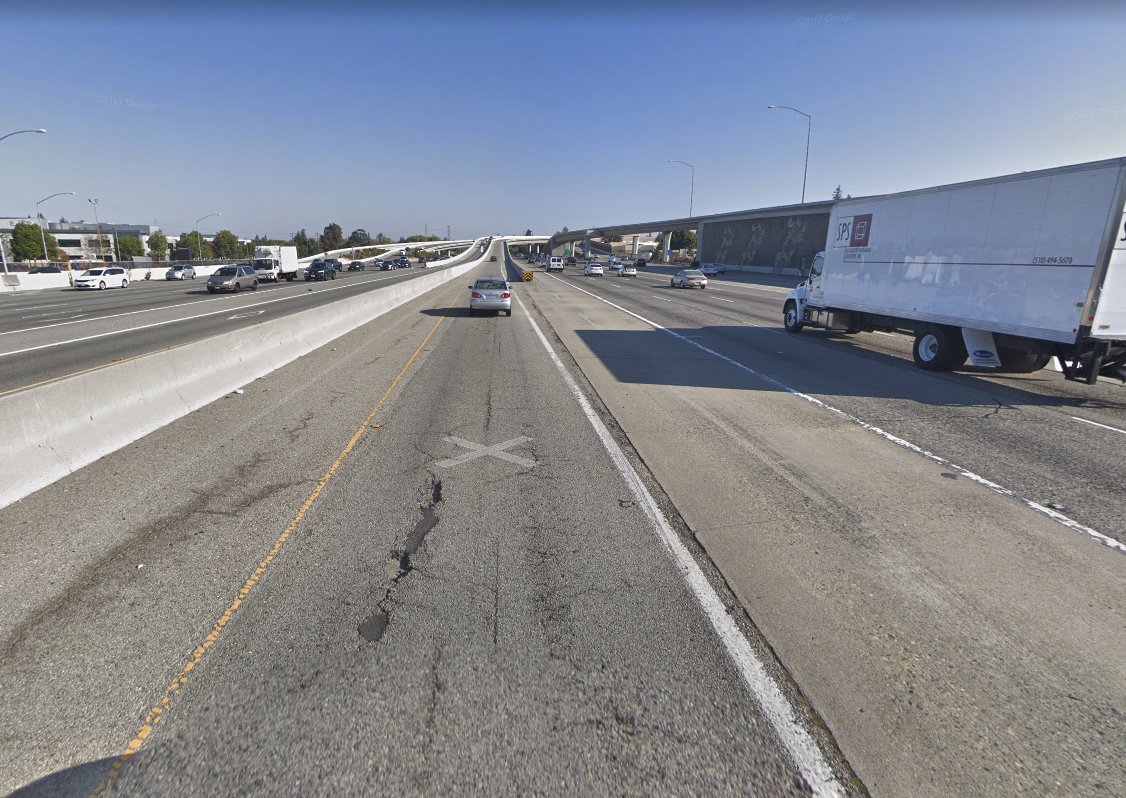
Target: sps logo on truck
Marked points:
853	231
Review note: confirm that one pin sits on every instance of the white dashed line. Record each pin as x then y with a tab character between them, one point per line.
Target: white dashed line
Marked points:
1056	516
1097	424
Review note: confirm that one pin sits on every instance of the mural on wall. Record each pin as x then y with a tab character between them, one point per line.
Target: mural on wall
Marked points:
725	244
754	241
795	235
775	242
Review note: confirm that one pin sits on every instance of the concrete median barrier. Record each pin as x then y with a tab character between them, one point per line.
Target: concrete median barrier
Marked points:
112	407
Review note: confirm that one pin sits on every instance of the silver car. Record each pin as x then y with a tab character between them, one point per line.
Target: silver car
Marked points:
689	278
233	278
490	293
180	272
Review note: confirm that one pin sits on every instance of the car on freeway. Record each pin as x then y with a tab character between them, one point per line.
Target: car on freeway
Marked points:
233	278
180	271
614	265
386	265
627	271
320	270
712	269
493	259
403	263
336	263
111	277
571	260
640	263
593	269
555	264
357	266
689	278
490	293
45	270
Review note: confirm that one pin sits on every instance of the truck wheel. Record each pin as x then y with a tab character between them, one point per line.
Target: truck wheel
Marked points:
791	319
1017	361
939	348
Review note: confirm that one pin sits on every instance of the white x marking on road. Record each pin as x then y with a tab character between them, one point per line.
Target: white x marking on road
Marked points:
496	450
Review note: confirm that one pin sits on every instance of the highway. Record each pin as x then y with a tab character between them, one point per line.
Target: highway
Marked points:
49	334
629	540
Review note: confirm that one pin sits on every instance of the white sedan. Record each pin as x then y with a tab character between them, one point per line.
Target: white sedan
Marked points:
689	278
628	271
593	270
112	277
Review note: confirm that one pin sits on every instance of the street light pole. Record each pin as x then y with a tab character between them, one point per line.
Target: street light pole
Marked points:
808	133
97	221
3	254
199	235
43	235
17	132
692	187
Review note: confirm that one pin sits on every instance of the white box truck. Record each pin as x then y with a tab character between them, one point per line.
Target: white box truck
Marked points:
1006	272
276	263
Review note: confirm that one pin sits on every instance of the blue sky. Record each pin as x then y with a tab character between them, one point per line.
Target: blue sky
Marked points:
499	119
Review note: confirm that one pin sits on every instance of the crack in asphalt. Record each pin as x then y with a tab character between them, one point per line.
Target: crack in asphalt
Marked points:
375	625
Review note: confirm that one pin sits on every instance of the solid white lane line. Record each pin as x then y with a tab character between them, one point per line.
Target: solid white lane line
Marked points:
158	323
188	304
799	745
1097	424
1060	518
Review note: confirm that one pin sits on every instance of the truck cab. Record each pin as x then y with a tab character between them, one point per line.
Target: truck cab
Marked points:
806	295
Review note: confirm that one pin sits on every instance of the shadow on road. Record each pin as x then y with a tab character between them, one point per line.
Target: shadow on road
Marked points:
79	780
822	365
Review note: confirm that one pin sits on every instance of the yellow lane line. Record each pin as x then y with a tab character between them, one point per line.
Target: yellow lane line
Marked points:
162	707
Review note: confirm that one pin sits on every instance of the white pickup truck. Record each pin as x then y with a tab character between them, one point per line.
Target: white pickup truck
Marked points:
1006	272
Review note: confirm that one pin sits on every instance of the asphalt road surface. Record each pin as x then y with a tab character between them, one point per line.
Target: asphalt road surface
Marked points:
54	333
423	559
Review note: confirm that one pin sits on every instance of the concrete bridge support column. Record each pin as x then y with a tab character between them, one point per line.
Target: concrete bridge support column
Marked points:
586	247
633	251
666	245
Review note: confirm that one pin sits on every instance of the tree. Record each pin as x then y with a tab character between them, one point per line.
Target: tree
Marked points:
305	246
528	232
192	241
359	238
837	193
683	239
129	246
383	239
27	243
227	245
158	245
332	237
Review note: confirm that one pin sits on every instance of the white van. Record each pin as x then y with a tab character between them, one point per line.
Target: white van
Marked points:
555	263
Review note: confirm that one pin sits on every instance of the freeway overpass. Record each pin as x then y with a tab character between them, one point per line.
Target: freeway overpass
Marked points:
778	239
388	249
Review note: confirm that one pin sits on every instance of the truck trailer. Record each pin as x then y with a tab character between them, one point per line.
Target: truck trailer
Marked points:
1006	272
276	263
